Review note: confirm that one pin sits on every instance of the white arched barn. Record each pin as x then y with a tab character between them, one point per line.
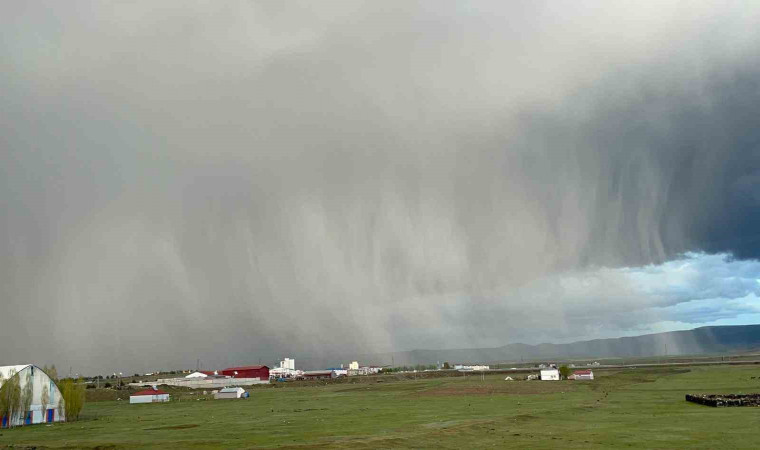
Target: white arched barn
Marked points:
43	389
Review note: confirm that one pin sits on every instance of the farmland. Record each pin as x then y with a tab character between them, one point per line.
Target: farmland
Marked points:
624	409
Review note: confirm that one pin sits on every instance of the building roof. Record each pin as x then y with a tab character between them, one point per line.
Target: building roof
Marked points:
246	368
583	372
149	392
231	389
5	371
197	375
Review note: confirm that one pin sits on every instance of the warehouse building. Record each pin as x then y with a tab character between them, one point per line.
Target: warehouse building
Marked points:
46	404
318	374
260	372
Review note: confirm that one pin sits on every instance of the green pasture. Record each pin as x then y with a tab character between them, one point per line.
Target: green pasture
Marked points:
636	408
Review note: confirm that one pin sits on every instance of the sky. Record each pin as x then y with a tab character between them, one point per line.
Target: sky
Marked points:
242	181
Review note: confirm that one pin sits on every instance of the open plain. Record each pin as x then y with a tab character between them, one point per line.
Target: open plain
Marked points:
634	408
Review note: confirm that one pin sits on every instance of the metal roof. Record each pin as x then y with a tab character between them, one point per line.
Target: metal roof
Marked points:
149	392
5	371
231	389
246	368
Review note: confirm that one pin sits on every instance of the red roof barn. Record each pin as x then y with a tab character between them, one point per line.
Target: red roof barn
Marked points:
149	392
260	372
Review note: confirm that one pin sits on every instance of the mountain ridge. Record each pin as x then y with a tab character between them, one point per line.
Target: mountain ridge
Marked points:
701	340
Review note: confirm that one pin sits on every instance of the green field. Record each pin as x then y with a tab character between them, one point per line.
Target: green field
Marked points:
638	408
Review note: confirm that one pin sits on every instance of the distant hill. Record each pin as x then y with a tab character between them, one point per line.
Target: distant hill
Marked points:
703	340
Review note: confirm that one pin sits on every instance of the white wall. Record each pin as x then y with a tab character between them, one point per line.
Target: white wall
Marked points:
149	398
550	375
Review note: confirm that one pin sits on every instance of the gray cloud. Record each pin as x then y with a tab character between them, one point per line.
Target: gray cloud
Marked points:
355	176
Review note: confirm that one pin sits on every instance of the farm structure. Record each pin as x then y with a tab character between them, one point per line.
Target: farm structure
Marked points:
471	367
260	372
200	374
725	399
583	375
286	369
230	392
549	375
149	396
318	374
45	402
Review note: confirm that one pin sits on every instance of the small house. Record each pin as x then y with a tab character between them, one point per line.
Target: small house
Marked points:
549	375
230	392
149	396
583	375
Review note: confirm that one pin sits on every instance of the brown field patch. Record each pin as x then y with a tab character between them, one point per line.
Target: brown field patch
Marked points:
174	427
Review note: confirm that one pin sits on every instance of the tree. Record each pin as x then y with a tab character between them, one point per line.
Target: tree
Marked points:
72	398
51	372
25	402
446	366
10	398
564	371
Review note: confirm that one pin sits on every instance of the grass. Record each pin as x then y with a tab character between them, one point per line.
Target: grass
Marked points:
633	408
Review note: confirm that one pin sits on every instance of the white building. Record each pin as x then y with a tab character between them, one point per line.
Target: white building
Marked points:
286	369
46	404
583	375
354	365
549	375
196	375
230	392
288	363
471	367
149	396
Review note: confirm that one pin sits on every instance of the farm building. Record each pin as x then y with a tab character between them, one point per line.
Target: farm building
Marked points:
46	403
583	375
260	372
149	396
230	392
318	374
549	375
286	369
197	375
471	367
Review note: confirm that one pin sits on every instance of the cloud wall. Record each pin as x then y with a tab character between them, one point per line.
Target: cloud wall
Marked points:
354	176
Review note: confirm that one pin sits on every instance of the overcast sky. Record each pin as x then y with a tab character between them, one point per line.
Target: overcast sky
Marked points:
245	181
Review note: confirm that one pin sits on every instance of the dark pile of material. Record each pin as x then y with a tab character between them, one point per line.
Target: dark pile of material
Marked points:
725	399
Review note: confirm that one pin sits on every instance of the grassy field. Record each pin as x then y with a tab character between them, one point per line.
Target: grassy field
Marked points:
633	408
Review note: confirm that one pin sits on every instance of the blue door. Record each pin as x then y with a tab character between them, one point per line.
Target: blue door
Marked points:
50	413
4	422
28	420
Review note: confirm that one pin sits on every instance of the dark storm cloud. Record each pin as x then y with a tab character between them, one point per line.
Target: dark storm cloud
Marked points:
266	179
